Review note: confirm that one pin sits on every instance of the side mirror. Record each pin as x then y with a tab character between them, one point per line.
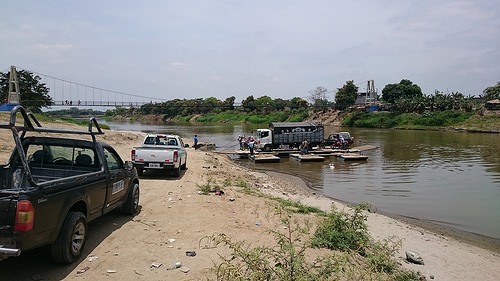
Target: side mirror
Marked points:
129	166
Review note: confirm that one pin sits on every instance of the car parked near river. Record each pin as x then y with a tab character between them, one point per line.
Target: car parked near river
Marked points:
339	140
160	152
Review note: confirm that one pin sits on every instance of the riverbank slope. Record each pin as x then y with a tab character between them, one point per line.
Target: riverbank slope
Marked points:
486	122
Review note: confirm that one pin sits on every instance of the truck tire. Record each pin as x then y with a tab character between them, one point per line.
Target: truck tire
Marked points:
131	206
140	171
71	240
267	148
184	165
177	171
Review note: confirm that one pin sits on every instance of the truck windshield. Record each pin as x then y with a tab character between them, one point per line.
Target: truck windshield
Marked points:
262	134
345	135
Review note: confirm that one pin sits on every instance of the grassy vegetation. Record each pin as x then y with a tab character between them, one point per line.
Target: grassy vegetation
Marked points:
185	118
44	118
343	231
232	115
209	186
337	247
81	122
297	207
427	120
294	256
483	123
294	115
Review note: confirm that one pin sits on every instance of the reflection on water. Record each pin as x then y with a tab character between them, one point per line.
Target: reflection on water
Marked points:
446	177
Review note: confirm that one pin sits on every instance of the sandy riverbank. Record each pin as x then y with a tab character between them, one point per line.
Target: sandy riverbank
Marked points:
175	219
481	241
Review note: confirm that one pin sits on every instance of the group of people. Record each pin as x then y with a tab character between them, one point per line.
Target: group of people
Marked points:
66	102
341	143
246	143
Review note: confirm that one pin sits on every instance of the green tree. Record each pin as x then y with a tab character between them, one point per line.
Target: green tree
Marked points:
228	103
34	94
321	105
297	102
405	89
145	109
264	101
346	96
492	93
211	105
280	104
173	108
249	104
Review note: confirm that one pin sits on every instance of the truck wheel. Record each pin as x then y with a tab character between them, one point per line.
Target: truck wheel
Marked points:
183	167
177	171
267	148
131	206
139	171
71	239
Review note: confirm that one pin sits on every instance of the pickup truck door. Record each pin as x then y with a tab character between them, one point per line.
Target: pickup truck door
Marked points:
118	180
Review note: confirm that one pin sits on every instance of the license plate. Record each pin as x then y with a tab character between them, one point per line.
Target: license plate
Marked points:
154	165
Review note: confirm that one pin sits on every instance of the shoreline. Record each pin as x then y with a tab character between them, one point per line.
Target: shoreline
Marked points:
474	239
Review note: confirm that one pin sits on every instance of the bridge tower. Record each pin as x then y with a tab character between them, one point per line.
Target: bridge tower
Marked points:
14	97
371	93
14	93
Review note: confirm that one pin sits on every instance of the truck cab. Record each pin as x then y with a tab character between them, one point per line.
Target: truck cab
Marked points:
264	139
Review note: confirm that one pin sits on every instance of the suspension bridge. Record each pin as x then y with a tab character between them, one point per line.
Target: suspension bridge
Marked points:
65	93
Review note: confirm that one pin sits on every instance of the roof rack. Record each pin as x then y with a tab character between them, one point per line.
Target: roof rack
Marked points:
29	125
30	121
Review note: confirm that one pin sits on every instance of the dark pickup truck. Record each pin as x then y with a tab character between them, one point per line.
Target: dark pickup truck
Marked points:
51	187
339	140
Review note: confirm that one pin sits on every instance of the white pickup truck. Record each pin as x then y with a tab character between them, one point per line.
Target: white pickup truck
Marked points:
160	152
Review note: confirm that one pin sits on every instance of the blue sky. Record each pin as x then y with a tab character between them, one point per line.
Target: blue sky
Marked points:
283	49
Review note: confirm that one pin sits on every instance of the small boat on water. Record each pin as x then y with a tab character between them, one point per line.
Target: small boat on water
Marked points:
307	157
264	158
352	157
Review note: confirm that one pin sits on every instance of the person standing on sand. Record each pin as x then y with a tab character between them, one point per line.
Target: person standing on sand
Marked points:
195	139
